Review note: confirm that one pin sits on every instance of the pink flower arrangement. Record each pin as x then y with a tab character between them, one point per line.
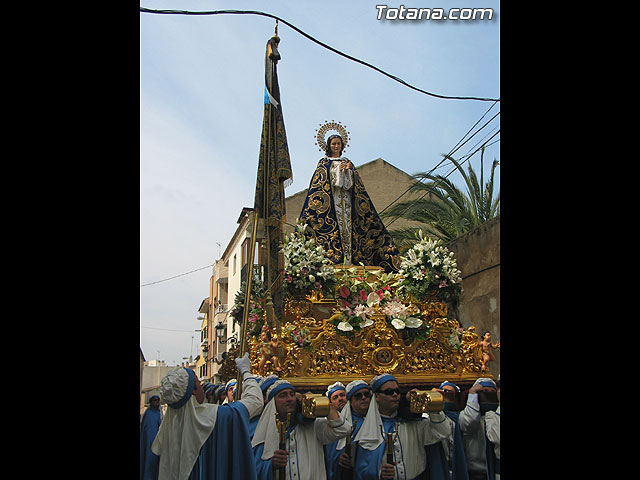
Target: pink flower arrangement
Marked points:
300	336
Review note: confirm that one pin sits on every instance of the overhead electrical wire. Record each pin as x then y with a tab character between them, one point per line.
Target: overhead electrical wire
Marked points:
175	276
439	181
324	45
455	148
440	164
168	329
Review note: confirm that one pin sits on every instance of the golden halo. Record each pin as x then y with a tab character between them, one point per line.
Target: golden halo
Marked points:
332	126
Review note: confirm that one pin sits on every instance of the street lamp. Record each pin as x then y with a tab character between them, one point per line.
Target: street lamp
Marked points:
220	334
220	328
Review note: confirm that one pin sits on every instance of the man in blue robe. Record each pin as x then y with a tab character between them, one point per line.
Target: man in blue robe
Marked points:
452	449
264	384
358	394
149	426
302	456
204	441
410	436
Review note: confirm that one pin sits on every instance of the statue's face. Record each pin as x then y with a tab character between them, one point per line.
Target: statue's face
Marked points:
336	146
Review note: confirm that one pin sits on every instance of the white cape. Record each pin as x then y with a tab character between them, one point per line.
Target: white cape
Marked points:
180	437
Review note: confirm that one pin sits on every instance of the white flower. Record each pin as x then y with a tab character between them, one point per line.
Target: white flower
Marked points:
396	309
366	323
362	311
373	299
345	326
413	322
397	323
312	278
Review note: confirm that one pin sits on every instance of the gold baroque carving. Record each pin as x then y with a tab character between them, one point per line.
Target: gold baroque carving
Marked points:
374	350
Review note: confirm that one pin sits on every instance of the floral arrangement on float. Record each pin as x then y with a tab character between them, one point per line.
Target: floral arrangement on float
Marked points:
357	297
430	272
307	270
407	319
300	336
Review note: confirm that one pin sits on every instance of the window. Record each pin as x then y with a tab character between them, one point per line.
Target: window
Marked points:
245	252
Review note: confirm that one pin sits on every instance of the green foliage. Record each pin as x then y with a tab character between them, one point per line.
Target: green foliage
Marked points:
445	211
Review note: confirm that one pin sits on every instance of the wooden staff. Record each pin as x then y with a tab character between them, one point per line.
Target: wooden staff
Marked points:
247	301
389	439
282	444
347	473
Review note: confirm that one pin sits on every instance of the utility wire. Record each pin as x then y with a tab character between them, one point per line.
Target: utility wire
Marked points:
438	165
175	276
456	147
393	220
439	181
168	329
324	45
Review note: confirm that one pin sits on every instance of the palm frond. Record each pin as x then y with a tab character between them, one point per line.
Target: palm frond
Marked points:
443	210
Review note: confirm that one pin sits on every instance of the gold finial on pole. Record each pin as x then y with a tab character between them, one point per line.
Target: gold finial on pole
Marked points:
282	441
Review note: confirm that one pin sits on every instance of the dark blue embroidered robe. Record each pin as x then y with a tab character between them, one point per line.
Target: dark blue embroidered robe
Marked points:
371	243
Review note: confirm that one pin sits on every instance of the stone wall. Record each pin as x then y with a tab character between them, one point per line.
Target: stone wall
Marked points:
478	257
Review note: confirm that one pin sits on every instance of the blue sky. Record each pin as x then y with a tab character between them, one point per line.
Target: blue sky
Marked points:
201	107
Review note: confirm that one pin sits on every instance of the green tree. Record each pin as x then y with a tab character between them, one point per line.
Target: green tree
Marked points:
446	211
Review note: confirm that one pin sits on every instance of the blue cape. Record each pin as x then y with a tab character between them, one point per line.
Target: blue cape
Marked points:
149	461
437	459
253	423
225	454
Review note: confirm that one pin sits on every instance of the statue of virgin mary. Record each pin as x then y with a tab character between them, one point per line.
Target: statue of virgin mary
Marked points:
339	213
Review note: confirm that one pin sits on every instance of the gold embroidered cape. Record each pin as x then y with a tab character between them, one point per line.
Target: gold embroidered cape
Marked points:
371	243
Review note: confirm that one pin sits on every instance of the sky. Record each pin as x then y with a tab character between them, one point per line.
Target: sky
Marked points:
201	109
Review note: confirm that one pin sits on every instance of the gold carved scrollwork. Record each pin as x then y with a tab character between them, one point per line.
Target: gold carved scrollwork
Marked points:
376	349
425	402
382	348
228	369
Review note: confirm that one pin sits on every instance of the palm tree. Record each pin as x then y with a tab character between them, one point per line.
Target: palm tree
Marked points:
445	211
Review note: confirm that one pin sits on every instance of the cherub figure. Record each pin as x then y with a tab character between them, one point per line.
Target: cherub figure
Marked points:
487	346
268	351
